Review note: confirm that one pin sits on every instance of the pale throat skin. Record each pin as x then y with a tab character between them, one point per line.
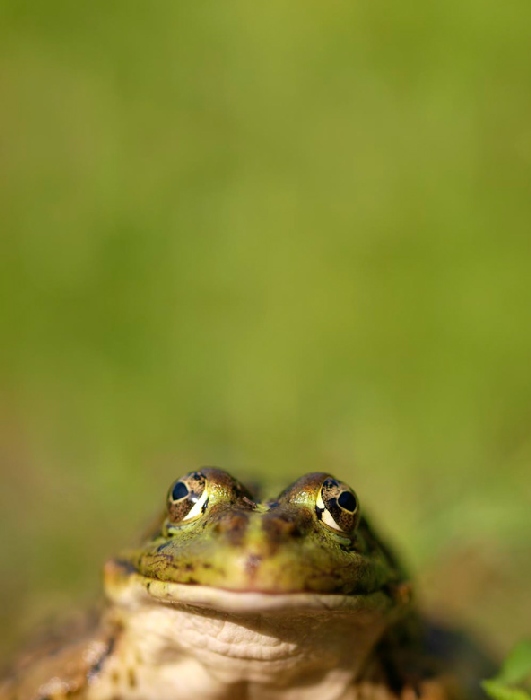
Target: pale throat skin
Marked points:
233	598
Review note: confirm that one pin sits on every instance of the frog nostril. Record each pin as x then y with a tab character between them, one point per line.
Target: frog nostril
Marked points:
252	564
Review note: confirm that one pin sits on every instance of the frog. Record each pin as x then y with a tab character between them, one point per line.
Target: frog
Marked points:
230	596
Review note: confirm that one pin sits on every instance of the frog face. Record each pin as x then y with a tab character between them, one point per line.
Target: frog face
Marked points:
311	539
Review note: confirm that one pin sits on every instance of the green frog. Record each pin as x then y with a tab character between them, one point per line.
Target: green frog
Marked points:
230	597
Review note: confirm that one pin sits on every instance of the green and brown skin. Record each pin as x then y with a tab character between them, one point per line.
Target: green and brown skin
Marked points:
309	541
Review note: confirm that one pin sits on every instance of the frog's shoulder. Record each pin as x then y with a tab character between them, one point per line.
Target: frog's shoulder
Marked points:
60	661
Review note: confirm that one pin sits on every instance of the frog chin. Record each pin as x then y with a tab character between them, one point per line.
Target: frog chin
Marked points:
213	649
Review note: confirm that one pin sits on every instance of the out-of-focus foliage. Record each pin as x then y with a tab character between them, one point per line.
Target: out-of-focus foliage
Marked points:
276	237
515	671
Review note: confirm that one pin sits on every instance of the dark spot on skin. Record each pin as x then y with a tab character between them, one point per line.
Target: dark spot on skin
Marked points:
131	677
163	546
188	566
163	558
233	526
115	677
207	565
96	668
193	581
330	484
125	565
280	527
350	547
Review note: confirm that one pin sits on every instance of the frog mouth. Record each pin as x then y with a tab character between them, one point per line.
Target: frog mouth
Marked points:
125	586
259	565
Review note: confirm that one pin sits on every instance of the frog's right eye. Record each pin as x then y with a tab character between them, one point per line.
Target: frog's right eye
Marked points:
187	498
337	506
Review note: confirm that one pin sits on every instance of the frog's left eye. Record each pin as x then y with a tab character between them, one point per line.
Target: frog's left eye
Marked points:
337	506
187	497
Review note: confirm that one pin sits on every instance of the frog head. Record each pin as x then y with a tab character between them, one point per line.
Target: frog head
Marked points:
312	538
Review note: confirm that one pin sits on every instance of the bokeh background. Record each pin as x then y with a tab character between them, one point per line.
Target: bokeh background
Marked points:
275	237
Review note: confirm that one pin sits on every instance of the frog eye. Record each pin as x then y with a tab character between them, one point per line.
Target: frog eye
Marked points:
187	497
337	506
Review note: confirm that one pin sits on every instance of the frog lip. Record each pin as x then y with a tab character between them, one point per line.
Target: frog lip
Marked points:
293	568
144	589
126	587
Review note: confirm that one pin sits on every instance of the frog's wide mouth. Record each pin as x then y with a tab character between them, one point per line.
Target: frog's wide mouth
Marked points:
129	588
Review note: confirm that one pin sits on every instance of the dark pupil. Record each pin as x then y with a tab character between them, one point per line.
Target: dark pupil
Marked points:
179	491
347	501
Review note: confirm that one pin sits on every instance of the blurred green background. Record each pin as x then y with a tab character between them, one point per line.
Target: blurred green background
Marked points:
275	237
